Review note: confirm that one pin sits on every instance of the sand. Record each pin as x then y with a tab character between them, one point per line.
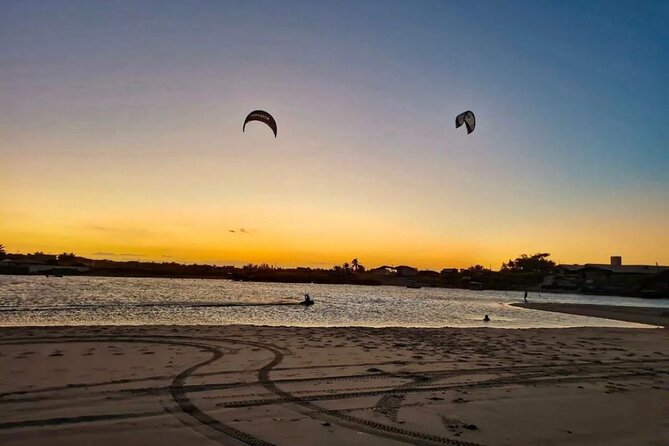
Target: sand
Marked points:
235	385
643	315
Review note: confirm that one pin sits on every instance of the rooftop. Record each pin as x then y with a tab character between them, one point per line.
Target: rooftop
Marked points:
617	269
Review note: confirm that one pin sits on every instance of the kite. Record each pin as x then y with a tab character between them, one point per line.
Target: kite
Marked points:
262	116
468	119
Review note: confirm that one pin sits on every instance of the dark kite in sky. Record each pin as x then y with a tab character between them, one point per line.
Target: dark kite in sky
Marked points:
468	119
262	116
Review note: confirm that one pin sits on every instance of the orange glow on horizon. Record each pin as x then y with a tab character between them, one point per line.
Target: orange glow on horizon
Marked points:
293	237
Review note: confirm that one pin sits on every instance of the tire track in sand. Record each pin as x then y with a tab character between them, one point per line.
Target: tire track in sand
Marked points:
177	391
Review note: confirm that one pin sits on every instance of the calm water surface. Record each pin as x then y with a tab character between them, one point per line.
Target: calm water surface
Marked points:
32	300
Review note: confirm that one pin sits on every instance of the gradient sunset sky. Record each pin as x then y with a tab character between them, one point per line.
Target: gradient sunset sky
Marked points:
120	130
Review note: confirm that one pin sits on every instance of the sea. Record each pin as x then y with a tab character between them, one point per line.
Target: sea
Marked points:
77	300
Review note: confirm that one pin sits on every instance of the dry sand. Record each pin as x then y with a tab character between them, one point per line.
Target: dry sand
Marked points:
642	315
236	385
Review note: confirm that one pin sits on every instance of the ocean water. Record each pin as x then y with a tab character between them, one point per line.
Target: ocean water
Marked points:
38	300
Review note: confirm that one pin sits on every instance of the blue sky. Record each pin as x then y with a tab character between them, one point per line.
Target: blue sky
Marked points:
571	101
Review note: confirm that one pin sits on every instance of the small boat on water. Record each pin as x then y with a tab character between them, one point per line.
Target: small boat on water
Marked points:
414	285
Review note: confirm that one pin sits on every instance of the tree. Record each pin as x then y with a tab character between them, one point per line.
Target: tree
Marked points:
3	253
476	269
66	256
357	266
535	263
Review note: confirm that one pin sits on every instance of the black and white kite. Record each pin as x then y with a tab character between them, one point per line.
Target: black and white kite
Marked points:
262	116
467	118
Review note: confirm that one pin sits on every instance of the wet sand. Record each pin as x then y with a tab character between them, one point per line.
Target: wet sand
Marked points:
643	315
235	385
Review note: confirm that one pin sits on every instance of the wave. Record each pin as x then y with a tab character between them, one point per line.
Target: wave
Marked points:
71	307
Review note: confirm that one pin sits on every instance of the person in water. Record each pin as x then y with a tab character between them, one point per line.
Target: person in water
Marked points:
486	318
525	296
307	299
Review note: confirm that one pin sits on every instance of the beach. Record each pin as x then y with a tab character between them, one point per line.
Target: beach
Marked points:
642	315
258	385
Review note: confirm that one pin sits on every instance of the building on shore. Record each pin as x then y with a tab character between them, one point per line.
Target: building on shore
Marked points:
449	271
384	270
399	271
406	271
614	278
22	266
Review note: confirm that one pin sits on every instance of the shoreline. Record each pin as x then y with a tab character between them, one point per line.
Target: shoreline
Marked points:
656	316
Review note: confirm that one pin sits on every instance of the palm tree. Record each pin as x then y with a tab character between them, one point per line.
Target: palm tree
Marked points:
3	253
354	264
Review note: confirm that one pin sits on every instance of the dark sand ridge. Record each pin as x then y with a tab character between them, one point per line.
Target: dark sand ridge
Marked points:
642	315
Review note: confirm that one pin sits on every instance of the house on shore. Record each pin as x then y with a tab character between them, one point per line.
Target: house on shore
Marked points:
399	271
384	270
406	271
614	277
449	271
26	266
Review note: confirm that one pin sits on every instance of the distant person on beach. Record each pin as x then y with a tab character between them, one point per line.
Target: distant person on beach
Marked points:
486	318
525	297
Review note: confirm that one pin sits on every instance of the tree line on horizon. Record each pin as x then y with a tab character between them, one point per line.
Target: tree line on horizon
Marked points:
525	272
535	263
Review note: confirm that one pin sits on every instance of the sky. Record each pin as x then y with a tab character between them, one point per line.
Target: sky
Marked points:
121	131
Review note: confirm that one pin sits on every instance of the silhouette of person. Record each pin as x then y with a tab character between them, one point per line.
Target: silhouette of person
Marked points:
525	297
486	318
307	299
